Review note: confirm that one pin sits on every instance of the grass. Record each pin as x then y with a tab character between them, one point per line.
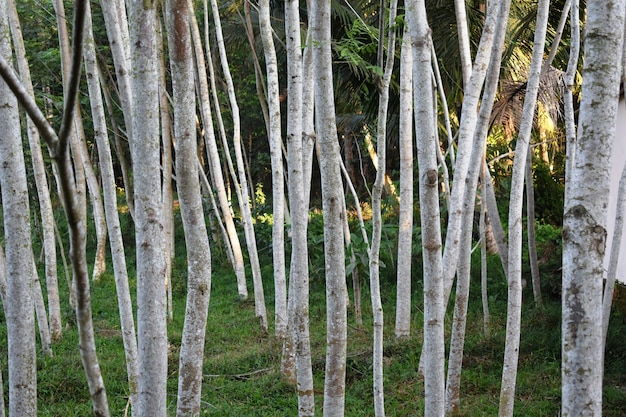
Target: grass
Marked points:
242	364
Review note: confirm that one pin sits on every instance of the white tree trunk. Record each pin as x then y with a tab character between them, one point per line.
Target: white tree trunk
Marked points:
453	382
278	182
214	160
168	186
433	349
18	307
242	187
530	224
584	222
514	305
464	40
19	299
40	314
41	182
127	320
296	356
405	231
116	23
377	189
188	185
466	132
149	232
483	257
332	195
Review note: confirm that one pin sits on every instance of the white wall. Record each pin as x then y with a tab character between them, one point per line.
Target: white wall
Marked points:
619	159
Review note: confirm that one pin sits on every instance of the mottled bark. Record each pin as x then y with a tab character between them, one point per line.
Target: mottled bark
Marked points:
585	219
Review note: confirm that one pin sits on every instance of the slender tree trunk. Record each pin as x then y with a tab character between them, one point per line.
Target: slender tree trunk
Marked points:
149	231
466	132
584	222
242	188
214	159
116	23
18	304
483	256
377	189
457	341
433	350
188	185
464	40
40	314
3	281
405	232
494	218
278	183
530	224
19	299
332	195
296	356
127	321
513	324
166	164
41	182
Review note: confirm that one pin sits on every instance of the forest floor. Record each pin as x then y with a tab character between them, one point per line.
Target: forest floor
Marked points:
242	364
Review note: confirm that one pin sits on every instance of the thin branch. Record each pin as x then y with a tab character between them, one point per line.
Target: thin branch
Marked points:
80	8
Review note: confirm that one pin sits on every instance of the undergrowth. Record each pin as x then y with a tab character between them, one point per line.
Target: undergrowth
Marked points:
242	364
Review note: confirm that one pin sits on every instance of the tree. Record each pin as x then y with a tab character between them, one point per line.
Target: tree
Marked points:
240	178
405	233
149	230
18	303
584	222
514	307
433	350
296	355
332	196
278	183
127	320
41	182
377	190
188	186
213	155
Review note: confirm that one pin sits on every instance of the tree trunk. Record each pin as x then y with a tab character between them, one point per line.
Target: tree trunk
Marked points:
149	229
296	358
514	305
242	187
278	183
188	185
405	231
457	341
18	305
214	158
530	224
377	189
433	349
483	257
41	182
116	22
40	314
584	222
127	320
332	195
466	132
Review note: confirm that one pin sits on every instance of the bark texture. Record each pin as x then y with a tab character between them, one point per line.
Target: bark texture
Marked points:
584	223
